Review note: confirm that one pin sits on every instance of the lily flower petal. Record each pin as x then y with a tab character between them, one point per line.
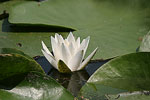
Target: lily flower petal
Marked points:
85	62
71	37
53	43
66	42
75	61
56	38
45	48
68	53
65	53
55	48
78	42
50	59
71	48
59	38
84	44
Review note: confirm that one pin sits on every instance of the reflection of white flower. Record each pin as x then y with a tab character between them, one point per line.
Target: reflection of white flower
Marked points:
68	53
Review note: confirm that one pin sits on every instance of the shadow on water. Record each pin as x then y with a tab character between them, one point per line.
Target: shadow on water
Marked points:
3	0
8	27
74	81
28	0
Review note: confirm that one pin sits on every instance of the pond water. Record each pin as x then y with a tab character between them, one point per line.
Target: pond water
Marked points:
74	81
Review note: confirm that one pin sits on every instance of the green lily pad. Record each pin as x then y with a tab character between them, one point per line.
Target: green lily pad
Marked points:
115	26
123	74
28	42
24	39
7	4
14	64
36	86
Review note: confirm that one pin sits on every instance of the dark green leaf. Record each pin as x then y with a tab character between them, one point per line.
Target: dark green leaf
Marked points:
11	65
130	72
36	86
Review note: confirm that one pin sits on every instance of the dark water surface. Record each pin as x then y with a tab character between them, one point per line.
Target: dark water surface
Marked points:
74	81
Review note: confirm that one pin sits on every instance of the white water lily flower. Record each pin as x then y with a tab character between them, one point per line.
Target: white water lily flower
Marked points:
68	53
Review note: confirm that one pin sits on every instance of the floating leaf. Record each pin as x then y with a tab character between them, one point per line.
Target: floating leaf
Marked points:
122	74
114	26
28	42
13	64
36	86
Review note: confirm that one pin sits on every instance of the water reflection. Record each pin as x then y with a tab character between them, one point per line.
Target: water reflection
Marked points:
77	80
63	79
94	65
73	81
